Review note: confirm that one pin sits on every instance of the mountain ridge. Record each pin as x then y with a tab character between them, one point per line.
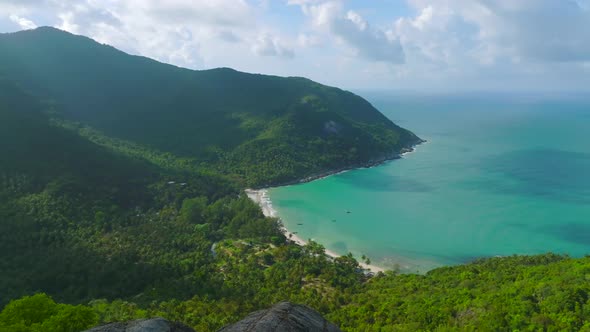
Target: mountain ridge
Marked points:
295	127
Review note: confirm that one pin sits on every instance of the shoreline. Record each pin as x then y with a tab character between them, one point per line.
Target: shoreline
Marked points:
260	197
369	164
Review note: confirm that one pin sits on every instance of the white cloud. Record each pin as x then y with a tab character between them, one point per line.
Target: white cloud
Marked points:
545	30
67	22
537	30
204	12
228	36
174	31
424	19
372	44
267	45
357	19
354	31
322	14
302	2
308	40
467	43
437	36
24	23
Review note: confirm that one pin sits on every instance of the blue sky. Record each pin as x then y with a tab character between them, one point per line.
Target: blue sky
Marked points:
421	45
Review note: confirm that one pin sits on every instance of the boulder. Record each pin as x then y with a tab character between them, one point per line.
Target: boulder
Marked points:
143	325
284	317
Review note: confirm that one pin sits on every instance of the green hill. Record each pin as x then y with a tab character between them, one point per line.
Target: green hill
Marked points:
74	215
120	175
120	195
264	129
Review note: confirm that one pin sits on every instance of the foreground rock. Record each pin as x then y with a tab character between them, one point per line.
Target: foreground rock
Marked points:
282	317
143	325
285	317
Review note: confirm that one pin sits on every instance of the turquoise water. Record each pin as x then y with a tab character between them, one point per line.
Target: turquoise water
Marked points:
500	175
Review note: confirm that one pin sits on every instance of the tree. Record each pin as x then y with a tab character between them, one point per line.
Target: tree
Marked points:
193	209
39	313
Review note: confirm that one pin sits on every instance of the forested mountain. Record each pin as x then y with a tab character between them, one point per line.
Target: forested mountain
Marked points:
264	129
121	196
73	212
121	177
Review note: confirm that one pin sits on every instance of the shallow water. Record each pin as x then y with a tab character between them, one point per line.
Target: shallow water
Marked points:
500	175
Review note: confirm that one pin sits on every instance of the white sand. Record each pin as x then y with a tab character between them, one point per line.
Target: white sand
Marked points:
261	198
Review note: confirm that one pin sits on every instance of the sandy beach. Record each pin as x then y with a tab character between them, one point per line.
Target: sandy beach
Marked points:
261	198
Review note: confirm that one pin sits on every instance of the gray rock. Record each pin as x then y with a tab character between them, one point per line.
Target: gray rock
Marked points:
143	325
331	127
284	317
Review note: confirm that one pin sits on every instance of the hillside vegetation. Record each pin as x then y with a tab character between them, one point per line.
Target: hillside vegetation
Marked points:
540	293
263	129
121	197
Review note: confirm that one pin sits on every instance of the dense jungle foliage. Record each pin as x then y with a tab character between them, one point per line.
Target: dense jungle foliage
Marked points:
121	197
520	293
263	129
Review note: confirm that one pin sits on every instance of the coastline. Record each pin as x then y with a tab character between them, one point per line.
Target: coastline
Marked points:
260	197
371	163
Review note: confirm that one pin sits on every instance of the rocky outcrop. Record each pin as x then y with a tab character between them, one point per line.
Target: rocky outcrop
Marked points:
284	317
143	325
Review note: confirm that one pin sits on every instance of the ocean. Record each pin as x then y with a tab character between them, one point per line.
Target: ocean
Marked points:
501	174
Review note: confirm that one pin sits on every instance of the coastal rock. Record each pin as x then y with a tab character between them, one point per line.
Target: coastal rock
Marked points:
406	150
143	325
284	316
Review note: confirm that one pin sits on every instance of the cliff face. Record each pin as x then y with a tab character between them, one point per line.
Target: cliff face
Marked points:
284	316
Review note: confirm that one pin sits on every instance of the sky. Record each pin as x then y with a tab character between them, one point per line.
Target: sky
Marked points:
446	45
